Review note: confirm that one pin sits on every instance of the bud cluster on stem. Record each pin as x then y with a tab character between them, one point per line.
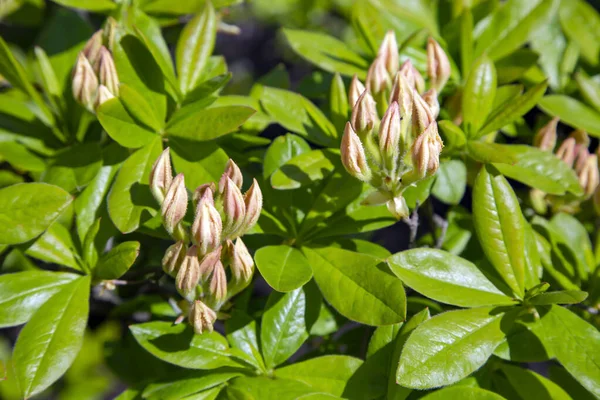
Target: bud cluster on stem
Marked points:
205	249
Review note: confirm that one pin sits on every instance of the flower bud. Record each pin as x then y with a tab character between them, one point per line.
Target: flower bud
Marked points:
355	90
161	176
413	76
207	226
201	317
174	205
364	113
581	137
233	207
389	137
103	95
110	32
397	206
353	155
173	258
378	78
438	65
233	172
208	263
545	139
431	98
218	282
588	175
242	264
189	273
581	157
253	200
204	192
85	83
388	51
402	93
567	151
107	71
422	114
91	50
426	152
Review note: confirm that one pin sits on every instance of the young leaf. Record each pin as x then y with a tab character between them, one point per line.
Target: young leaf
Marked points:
445	277
195	385
138	108
581	23
573	234
478	94
121	126
282	149
562	297
19	157
499	225
305	169
589	89
55	246
490	152
28	209
201	162
450	182
530	385
50	341
283	267
572	112
241	333
117	261
338	102
210	123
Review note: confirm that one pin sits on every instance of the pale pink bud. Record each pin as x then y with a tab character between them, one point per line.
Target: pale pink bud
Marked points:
431	98
189	273
85	83
92	48
355	90
388	51
103	95
389	137
253	200
378	78
174	257
205	192
545	139
107	71
218	282
581	137
397	207
588	175
242	264
364	113
207	265
402	93
174	205
201	317
413	76
426	152
233	172
567	151
353	155
581	157
161	176
438	65
207	226
110	32
422	114
234	208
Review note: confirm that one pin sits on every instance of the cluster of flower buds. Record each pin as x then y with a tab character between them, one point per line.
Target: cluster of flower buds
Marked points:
574	151
204	252
95	78
402	147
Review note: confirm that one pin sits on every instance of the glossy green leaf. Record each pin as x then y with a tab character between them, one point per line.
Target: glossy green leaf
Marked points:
572	112
491	152
195	46
177	344
90	5
305	169
550	44
445	277
242	334
20	158
265	388
525	342
529	384
533	264
499	225
562	297
356	287
282	149
581	23
210	123
283	267
74	167
121	126
449	347
117	261
326	52
55	246
338	102
450	182
139	109
478	94
463	393
454	137
50	341
515	65
573	234
466	41
23	293
200	162
191	386
28	209
589	89
566	381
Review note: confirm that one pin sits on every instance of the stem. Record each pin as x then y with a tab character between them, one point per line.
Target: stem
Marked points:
413	224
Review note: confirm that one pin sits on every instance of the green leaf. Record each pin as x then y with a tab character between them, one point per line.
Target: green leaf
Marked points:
28	209
177	344
210	123
241	333
462	393
525	342
499	225
129	201
285	324
327	374
201	162
138	108
573	234
490	152
445	277
326	52
354	285
550	44
117	261
89	5
589	89
581	23
510	112
576	345
282	149
55	246
338	102
466	40
305	168
530	385
193	385
566	381
50	341
478	94
463	340
283	267
454	137
572	112
20	158
194	47
515	65
562	297
450	182
121	126
74	167
265	388
23	293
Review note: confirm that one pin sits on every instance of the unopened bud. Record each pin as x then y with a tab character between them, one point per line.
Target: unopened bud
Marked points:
201	317
567	151
422	114
103	95
173	258
388	51
378	78
207	226
438	65
581	137
355	90
545	139
174	205
389	137
207	265
353	155
431	98
218	282
402	93
234	208
233	172
364	113
242	264
426	152
85	83
253	200
92	48
413	76
107	71
581	157
204	192
588	176
189	273
397	207
161	176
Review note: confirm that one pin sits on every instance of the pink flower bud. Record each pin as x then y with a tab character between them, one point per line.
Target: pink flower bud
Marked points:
110	32
389	137
207	265
581	137
85	83
253	200
397	207
353	155
413	76
364	113
378	78
431	98
91	51
545	139
107	71
422	114
355	90
207	226
581	157
588	176
438	65
103	95
402	93
234	209
161	176
173	258
218	282
201	317
174	205
426	152
205	192
233	172
189	273
567	151
388	51
242	264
